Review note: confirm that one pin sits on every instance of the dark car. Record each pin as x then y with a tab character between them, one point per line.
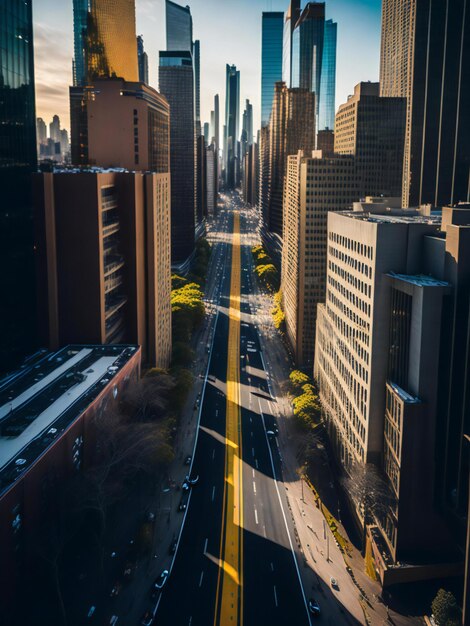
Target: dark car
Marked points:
188	460
184	500
173	546
314	607
161	580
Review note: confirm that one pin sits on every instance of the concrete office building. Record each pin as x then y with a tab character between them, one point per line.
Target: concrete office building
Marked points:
291	128
272	29
326	141
211	179
176	78
391	340
121	220
121	124
250	175
425	58
201	186
372	128
315	185
47	434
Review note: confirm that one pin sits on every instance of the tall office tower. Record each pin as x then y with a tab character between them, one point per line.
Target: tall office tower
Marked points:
123	125
292	128
18	158
207	129
304	248
232	122
143	60
104	40
197	78
41	131
211	179
177	85
425	58
179	28
263	193
211	133
54	129
217	122
290	20
372	128
271	60
248	122
250	175
327	94
64	142
201	186
123	221
307	50
386	340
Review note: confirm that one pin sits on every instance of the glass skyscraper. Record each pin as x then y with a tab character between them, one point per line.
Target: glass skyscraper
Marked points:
104	40
290	20
179	28
17	161
232	123
328	78
271	60
307	48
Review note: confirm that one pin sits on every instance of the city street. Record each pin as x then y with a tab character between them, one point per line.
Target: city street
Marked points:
238	560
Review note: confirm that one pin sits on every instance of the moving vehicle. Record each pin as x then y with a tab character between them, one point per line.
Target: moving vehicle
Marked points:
184	500
147	619
192	481
314	607
161	580
334	583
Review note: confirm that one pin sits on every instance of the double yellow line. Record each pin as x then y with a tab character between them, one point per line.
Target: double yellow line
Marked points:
229	598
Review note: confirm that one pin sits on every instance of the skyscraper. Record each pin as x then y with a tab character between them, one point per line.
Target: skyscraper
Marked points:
177	85
104	40
232	123
328	78
54	129
143	61
372	128
290	20
217	123
271	60
425	58
247	125
197	80
41	131
18	158
179	28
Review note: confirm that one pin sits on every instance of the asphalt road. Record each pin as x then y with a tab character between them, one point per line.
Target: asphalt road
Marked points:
201	582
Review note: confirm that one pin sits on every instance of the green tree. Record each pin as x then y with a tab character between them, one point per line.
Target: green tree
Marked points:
182	355
298	379
445	609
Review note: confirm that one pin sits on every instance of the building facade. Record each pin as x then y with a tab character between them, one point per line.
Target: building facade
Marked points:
179	27
18	158
327	107
66	392
290	20
143	61
372	128
272	31
232	126
425	57
123	220
177	85
314	186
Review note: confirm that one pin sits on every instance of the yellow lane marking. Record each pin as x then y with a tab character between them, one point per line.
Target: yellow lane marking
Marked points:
229	599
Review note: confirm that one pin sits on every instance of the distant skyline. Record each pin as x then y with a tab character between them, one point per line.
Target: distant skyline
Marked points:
231	35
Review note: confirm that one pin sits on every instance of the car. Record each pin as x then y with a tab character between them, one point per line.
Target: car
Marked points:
314	607
271	433
192	481
116	590
188	460
184	501
161	580
147	619
334	583
173	546
150	517
129	571
185	486
91	612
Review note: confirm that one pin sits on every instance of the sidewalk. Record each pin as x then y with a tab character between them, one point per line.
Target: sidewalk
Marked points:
322	556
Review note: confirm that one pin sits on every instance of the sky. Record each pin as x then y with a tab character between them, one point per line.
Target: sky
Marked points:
229	31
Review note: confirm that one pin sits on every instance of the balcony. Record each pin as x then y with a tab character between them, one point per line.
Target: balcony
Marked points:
112	263
112	281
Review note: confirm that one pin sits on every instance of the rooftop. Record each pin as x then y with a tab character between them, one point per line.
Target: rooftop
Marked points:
404	395
402	216
41	400
420	280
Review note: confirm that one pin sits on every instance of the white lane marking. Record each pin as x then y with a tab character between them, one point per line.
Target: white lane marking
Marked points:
256	516
253	472
213	454
253	451
216	412
213	493
264	531
200	580
275	596
254	487
272	567
252	433
205	546
256	463
284	516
